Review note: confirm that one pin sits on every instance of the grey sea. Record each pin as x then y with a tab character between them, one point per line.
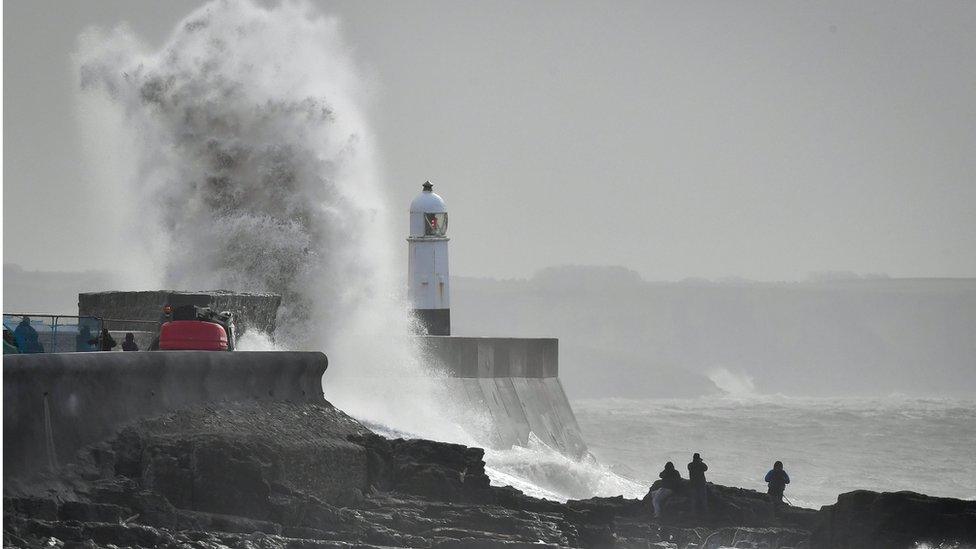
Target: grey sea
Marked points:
828	445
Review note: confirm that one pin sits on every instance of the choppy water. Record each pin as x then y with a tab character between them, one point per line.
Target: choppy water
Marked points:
829	445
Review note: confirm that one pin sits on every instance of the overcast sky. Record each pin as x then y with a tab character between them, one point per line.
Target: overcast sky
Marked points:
758	139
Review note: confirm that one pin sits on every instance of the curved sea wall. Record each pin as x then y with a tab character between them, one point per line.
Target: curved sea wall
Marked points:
54	404
516	382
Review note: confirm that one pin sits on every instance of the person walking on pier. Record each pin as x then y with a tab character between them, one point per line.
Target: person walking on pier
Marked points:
670	482
699	492
777	479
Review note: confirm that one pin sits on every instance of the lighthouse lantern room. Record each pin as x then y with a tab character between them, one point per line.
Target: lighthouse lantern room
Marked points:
429	280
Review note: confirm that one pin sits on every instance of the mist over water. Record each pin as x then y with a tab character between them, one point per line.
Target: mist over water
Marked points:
236	156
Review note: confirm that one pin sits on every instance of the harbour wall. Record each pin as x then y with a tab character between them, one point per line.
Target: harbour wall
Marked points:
516	382
54	404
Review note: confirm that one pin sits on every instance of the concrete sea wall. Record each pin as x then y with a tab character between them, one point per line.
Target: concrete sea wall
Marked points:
520	408
490	357
515	380
54	404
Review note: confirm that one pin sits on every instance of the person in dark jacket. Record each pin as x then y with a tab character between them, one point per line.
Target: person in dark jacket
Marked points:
699	493
129	344
27	338
105	341
669	483
777	479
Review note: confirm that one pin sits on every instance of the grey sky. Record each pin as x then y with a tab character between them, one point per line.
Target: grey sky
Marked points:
763	139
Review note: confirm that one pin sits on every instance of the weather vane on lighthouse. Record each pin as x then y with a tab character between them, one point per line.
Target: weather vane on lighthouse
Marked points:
429	280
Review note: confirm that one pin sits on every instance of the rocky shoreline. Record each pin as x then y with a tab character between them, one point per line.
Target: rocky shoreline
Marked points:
291	476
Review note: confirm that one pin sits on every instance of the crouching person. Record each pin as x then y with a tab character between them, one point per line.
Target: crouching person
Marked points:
666	487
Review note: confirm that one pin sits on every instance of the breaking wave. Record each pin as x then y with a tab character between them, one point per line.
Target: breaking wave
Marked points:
251	165
544	472
245	163
732	383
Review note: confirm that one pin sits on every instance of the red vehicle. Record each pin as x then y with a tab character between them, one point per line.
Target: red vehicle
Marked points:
192	328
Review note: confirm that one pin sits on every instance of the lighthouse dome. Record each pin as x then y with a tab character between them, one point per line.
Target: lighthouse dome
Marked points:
428	201
428	215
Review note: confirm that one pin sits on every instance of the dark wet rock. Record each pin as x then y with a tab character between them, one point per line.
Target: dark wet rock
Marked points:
199	520
483	543
31	507
206	478
226	460
755	537
445	472
126	535
296	476
893	520
84	511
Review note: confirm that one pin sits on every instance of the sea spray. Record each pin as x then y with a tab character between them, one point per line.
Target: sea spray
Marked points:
542	471
732	383
253	169
250	167
245	163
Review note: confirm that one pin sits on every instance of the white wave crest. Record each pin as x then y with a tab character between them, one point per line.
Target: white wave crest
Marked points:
543	472
732	383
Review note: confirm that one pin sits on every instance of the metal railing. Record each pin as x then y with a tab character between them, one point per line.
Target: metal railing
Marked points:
46	333
39	333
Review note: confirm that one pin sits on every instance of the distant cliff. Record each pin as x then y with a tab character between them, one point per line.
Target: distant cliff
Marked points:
623	336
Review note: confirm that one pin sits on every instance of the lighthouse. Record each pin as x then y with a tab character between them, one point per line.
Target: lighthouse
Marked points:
428	277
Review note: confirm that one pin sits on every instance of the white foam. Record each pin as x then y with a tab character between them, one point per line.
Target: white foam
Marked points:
541	471
255	340
732	383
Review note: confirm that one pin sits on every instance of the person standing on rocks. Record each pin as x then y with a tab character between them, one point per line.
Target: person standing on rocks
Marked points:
670	482
699	493
777	479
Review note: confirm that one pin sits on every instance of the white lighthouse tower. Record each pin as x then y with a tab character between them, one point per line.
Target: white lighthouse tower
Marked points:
430	282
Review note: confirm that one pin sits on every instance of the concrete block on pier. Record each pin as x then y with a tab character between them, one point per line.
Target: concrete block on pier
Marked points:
250	310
